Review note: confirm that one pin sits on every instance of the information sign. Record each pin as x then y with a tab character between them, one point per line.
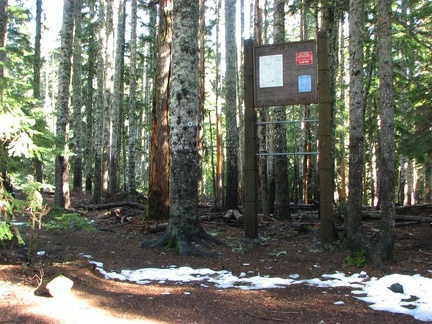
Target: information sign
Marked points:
285	74
304	58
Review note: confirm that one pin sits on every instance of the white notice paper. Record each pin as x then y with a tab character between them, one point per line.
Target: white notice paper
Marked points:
271	71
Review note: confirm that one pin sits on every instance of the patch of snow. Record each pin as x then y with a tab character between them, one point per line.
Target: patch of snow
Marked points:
415	300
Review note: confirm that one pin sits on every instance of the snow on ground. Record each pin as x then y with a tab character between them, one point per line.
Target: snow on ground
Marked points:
411	295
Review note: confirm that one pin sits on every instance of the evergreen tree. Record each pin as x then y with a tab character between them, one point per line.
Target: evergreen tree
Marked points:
281	204
133	136
231	194
77	100
184	227
62	191
158	196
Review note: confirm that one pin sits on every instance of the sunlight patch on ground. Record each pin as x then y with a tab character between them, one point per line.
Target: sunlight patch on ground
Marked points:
68	308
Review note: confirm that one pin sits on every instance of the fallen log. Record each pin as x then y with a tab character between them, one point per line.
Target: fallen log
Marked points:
209	217
406	218
228	216
154	228
233	214
238	217
116	204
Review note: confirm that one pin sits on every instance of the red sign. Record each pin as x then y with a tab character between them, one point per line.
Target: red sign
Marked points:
304	58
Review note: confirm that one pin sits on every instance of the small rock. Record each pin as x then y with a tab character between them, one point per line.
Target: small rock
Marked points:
397	288
59	286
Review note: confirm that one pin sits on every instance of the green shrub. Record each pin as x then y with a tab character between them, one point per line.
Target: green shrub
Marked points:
67	221
357	260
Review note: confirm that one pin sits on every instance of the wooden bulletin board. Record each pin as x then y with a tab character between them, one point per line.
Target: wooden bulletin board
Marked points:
285	74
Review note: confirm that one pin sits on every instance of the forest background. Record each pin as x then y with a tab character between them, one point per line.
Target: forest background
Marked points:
92	113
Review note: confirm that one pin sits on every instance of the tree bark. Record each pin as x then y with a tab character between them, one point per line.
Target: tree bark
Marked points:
356	239
108	93
281	205
98	187
387	174
3	33
77	100
117	102
37	63
158	195
219	140
184	226
356	151
133	122
89	152
62	194
231	194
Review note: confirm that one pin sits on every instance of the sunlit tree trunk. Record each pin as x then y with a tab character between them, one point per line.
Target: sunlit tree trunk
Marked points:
77	100
133	129
99	113
62	194
201	110
108	92
231	194
240	104
184	226
149	88
158	196
117	102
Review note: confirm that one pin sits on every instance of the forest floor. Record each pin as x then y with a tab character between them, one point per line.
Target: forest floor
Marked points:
284	250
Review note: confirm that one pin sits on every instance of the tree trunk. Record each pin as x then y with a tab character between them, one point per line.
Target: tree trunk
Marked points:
62	195
231	194
219	141
356	240
4	182
133	122
98	188
158	196
202	97
89	152
342	122
3	33
356	26
184	226
262	135
108	93
240	104
307	159
37	161
77	100
117	120
387	176
281	205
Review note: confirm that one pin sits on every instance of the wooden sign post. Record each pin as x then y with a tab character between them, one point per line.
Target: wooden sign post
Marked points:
280	75
251	146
